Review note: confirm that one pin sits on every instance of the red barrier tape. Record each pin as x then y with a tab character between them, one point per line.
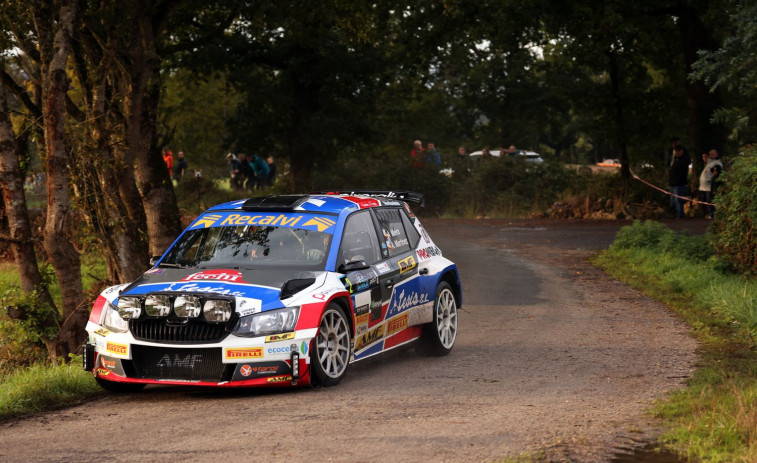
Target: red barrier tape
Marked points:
686	198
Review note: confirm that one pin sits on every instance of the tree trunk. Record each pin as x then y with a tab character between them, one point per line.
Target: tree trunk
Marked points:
12	184
58	242
620	125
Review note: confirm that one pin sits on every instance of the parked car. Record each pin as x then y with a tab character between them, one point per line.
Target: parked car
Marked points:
278	291
609	163
528	156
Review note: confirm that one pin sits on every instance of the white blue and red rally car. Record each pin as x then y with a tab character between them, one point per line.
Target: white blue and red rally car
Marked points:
278	290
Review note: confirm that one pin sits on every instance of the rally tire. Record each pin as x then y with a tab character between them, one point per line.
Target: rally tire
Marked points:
439	335
330	354
119	388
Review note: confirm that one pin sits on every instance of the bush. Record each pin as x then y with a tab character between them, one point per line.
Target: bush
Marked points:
657	237
736	204
22	340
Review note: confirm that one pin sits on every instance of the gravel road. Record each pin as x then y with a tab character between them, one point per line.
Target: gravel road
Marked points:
552	356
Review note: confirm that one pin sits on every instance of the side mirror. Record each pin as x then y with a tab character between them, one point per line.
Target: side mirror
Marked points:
353	266
154	260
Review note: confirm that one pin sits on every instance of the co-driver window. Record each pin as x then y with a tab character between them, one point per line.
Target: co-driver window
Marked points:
359	241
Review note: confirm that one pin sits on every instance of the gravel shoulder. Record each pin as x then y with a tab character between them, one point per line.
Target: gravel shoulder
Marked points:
552	355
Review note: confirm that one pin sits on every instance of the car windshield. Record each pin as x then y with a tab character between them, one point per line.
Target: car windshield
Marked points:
251	246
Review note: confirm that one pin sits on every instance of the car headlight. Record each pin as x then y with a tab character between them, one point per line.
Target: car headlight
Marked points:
113	320
271	322
129	307
158	305
187	306
217	310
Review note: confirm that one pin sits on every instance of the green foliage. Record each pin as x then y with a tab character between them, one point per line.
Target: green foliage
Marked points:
656	237
44	386
736	203
22	341
715	417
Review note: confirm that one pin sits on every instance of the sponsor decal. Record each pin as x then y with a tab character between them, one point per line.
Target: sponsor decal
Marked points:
258	370
102	332
383	267
369	337
304	348
407	264
423	231
279	379
206	221
245	370
233	353
409	212
362	203
248	306
281	220
281	350
320	223
396	324
322	296
391	203
279	337
429	252
362	310
111	364
195	288
230	276
103	372
179	361
403	302
119	349
361	319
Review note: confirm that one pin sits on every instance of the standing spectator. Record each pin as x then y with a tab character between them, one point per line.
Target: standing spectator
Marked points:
433	158
271	171
261	171
678	176
180	168
485	154
168	159
712	169
462	154
236	179
674	141
416	155
248	173
511	151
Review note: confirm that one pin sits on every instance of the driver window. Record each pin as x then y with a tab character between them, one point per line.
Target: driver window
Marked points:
359	241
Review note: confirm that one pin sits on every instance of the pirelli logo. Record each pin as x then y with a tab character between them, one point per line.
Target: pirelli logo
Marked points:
369	337
396	324
244	353
407	264
118	349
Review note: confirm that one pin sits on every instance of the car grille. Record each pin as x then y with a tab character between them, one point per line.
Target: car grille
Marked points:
190	364
192	332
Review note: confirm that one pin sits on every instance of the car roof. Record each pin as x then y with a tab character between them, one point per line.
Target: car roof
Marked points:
323	202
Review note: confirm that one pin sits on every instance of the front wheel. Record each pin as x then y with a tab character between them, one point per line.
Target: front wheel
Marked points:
331	353
439	336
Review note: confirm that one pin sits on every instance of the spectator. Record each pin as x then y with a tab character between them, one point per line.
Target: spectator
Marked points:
248	173
675	141
433	158
708	179
416	155
181	167
485	154
511	151
271	171
462	154
168	159
236	179
261	171
678	176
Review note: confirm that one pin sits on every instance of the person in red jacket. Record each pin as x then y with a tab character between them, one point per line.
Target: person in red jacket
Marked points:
168	158
417	155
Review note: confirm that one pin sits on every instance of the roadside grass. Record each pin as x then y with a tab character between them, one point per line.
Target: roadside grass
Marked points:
714	418
44	386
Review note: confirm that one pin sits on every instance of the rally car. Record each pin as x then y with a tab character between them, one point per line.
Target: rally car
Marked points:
278	291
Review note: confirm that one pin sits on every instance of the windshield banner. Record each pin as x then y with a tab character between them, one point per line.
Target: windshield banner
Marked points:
321	223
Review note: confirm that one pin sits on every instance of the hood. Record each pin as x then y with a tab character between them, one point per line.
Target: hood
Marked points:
263	285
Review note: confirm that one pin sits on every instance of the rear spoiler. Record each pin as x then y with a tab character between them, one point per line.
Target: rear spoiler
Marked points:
409	196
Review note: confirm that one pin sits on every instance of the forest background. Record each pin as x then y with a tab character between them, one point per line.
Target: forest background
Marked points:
92	91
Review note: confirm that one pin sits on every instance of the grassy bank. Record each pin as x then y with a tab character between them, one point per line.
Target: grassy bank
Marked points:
44	387
715	417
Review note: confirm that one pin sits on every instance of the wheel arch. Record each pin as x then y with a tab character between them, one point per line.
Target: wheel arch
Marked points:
451	277
344	302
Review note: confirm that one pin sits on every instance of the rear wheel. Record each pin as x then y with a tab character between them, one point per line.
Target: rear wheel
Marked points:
439	336
331	353
112	386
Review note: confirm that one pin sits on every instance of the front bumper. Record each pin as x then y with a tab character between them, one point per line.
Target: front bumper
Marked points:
233	362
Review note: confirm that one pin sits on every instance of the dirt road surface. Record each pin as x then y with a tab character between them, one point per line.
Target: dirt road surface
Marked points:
552	356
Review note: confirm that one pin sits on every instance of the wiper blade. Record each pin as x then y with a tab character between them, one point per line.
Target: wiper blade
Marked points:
170	265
